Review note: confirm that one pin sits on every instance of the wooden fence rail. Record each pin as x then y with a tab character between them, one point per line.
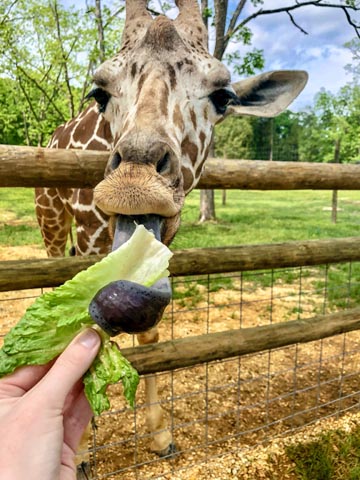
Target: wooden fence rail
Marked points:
195	350
26	274
41	167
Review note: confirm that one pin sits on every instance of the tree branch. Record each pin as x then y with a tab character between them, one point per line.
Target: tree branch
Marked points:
351	22
221	7
54	8
290	8
6	14
115	14
236	15
42	90
296	24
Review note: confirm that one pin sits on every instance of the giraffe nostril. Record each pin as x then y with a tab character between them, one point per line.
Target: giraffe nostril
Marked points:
115	161
163	164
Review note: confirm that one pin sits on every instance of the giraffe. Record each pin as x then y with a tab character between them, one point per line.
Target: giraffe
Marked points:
156	104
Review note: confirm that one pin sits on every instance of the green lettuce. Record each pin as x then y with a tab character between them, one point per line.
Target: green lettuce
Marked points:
56	317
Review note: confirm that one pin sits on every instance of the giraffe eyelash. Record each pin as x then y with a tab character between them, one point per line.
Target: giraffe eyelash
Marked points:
101	97
223	98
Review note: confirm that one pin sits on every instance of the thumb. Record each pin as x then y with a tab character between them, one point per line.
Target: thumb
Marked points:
69	368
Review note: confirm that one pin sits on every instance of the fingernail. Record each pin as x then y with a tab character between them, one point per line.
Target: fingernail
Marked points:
89	338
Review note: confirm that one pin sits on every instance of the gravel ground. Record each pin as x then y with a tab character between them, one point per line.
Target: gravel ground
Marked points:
251	407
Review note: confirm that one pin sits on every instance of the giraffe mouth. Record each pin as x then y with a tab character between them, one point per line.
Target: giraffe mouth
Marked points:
125	226
125	306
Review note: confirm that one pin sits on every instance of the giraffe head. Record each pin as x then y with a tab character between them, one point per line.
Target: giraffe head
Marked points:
162	95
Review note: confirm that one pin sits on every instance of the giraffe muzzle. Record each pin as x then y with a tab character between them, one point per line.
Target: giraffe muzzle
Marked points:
125	306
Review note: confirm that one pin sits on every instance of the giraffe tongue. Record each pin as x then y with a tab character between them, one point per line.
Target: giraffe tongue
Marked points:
126	224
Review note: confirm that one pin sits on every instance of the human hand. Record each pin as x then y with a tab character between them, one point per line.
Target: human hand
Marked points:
43	414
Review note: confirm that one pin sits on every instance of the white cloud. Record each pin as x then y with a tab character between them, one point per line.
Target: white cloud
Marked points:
321	52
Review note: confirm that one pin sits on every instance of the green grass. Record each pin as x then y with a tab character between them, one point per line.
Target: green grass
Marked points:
265	217
248	217
334	455
18	225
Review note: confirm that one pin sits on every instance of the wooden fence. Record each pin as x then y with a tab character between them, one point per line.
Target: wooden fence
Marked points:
29	167
41	167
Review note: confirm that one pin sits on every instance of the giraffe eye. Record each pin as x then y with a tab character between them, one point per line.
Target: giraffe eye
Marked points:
101	97
222	98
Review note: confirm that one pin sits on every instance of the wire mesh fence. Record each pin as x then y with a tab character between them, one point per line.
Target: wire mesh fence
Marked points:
232	405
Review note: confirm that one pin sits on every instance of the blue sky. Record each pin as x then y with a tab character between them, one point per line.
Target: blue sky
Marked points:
321	52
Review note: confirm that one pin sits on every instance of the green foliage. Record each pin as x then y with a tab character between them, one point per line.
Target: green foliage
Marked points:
233	138
247	64
333	455
46	66
255	137
11	113
333	118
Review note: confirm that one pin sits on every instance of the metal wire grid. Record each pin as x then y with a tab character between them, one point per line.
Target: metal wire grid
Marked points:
232	405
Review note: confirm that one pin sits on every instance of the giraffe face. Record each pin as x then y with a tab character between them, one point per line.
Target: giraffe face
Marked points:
162	98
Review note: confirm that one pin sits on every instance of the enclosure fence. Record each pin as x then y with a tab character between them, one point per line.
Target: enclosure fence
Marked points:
259	340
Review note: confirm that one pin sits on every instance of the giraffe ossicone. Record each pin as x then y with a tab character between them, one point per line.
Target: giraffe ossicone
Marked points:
156	105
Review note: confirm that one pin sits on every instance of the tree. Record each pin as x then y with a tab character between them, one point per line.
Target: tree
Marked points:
332	117
49	62
233	138
11	114
232	24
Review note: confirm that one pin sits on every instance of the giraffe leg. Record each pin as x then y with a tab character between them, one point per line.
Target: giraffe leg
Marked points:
83	465
54	215
162	442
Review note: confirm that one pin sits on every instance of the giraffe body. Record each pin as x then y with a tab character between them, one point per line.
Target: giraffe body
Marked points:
158	101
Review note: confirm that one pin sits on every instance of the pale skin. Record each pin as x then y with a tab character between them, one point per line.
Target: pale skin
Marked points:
43	414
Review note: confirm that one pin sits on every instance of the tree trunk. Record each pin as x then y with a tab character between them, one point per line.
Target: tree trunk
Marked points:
271	154
207	197
207	206
334	202
207	200
100	29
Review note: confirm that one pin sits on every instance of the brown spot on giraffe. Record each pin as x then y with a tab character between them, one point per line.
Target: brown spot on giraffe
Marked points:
190	149
178	118
140	84
164	100
202	138
172	76
193	118
133	69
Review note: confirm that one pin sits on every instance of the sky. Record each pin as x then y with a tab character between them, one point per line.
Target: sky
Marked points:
321	53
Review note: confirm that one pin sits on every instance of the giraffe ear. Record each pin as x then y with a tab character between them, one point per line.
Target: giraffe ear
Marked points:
268	94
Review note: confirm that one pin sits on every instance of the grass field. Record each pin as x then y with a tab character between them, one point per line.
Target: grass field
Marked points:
248	217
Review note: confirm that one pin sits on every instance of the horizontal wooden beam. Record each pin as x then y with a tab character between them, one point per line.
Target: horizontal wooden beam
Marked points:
186	352
41	167
25	274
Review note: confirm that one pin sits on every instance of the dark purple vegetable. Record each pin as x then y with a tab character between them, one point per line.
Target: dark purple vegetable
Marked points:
125	306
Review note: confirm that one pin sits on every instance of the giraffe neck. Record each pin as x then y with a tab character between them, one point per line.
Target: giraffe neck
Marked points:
56	207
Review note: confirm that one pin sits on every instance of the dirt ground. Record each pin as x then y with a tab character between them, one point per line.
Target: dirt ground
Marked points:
229	419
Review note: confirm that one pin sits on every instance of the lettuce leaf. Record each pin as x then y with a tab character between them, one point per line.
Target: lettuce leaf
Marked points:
56	317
